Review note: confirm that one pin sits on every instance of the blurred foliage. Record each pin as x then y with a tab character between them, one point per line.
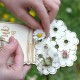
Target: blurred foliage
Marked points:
70	13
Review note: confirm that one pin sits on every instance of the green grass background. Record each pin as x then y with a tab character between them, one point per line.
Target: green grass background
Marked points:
72	20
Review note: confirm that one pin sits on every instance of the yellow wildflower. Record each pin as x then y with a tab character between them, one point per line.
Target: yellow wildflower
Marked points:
5	16
12	19
32	13
1	4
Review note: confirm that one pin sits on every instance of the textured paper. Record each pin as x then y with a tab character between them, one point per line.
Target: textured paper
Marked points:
24	36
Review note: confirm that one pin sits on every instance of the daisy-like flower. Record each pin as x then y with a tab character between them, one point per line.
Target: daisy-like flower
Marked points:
68	42
38	35
57	29
67	58
46	58
57	50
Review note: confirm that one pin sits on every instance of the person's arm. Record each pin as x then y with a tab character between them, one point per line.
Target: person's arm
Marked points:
17	70
20	9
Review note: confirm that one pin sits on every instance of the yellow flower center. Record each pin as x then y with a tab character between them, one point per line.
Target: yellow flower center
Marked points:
39	35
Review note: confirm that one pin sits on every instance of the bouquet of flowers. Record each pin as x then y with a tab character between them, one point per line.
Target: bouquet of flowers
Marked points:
58	50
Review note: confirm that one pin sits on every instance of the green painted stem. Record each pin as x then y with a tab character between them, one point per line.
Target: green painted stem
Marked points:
47	77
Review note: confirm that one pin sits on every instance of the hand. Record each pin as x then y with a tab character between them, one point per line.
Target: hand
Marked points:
17	70
20	9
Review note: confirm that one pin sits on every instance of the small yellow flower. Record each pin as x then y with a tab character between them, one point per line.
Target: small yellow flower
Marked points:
2	4
32	13
12	19
5	16
39	35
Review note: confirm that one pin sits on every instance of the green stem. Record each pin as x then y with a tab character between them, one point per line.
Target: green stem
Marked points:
47	77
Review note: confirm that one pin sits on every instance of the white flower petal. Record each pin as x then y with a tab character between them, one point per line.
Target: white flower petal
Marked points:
39	68
73	47
72	52
74	41
62	63
73	34
69	63
45	71
60	34
52	70
56	65
72	57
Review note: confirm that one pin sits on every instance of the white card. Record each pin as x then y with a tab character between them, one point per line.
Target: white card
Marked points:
24	36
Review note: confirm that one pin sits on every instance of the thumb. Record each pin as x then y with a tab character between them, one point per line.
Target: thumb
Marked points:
26	68
8	50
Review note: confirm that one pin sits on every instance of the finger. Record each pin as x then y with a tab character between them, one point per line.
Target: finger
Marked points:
19	57
52	7
26	69
8	50
58	2
43	15
29	20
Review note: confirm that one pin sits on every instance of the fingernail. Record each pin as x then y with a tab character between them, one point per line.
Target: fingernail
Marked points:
47	35
15	42
39	27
